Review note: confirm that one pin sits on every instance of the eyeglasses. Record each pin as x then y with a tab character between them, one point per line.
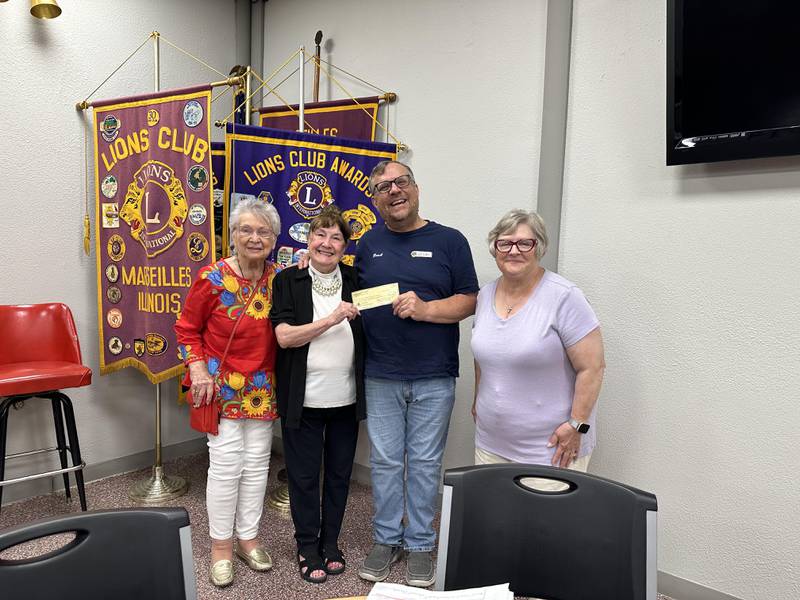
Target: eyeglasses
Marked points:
505	246
402	182
262	232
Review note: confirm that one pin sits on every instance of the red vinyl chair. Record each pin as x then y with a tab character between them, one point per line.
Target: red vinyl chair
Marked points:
39	356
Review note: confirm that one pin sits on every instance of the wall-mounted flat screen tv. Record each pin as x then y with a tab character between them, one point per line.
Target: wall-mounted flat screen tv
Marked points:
733	79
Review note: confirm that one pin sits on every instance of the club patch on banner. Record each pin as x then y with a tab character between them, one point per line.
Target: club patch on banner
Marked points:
152	240
300	174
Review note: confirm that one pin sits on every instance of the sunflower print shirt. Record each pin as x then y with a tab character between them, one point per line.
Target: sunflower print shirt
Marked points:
246	381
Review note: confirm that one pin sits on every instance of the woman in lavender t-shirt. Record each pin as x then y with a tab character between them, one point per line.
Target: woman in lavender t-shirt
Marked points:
538	356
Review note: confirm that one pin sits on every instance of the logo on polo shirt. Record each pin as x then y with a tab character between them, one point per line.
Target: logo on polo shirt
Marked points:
421	254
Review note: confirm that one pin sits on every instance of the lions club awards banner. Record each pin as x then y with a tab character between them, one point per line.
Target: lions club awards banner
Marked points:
351	118
154	223
300	174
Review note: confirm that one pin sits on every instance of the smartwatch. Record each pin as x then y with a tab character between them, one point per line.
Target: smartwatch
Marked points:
578	426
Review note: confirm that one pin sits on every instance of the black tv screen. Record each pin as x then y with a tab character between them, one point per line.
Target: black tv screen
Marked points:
733	79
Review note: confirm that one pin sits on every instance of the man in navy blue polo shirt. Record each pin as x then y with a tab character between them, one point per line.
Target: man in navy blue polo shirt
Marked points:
411	366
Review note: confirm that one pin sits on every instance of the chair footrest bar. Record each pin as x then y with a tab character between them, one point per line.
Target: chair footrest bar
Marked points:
52	473
32	452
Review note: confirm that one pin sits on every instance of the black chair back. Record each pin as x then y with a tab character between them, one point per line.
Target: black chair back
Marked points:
127	554
596	539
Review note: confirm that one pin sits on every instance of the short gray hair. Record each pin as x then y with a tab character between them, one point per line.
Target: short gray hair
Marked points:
513	219
378	170
262	210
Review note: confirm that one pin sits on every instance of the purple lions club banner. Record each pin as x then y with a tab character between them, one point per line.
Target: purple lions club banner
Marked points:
352	118
218	183
154	223
300	174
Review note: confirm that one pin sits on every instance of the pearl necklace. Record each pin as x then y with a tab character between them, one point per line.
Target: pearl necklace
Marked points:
325	286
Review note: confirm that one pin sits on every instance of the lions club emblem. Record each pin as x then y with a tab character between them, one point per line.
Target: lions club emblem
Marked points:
309	193
155	207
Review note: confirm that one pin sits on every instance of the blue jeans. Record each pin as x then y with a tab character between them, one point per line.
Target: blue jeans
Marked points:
407	422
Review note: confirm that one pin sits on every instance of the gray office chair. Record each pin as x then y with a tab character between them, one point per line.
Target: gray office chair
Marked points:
127	554
596	539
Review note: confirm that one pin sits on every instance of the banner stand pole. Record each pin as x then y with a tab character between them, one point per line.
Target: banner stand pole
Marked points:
301	103
317	40
158	487
279	497
248	106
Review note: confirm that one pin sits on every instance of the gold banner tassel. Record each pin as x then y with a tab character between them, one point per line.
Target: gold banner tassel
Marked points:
86	235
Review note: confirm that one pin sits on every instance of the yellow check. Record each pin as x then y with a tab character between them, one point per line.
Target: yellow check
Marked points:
376	296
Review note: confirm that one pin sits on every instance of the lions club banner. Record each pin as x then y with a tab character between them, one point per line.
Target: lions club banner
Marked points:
351	118
300	174
218	183
154	223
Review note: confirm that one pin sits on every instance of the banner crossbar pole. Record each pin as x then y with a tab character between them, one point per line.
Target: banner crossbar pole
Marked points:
230	81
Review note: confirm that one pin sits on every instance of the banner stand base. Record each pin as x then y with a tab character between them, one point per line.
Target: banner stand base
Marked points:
158	488
279	497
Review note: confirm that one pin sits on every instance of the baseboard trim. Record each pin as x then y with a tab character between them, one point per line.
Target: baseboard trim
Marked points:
683	589
93	472
361	475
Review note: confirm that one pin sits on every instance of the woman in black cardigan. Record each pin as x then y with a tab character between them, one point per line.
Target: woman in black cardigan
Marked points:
320	390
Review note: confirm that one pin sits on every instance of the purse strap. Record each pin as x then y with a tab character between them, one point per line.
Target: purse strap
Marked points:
239	318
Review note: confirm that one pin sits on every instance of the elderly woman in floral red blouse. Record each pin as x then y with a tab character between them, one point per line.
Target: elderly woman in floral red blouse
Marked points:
227	342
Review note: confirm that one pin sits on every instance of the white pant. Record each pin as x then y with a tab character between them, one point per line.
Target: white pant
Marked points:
237	477
483	457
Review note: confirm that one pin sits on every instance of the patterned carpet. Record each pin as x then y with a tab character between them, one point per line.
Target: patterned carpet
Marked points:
276	533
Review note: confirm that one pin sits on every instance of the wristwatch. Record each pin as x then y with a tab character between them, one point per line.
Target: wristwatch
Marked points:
578	426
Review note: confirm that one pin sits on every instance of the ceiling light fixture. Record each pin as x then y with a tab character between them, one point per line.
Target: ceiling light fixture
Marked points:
44	9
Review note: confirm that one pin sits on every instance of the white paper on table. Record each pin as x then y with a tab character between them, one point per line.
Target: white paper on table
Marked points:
394	591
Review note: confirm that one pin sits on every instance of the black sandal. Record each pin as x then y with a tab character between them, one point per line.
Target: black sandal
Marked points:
333	555
310	564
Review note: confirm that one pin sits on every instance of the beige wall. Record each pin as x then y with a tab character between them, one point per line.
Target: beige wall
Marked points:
694	273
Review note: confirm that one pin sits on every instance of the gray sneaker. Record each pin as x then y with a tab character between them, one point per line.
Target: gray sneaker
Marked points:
379	561
419	569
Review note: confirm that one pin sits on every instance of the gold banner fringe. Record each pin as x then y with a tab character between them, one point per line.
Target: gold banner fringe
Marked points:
142	368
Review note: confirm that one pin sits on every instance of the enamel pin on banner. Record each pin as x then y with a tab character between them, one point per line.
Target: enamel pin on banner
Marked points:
154	222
